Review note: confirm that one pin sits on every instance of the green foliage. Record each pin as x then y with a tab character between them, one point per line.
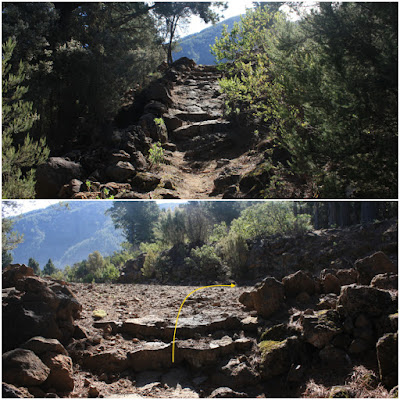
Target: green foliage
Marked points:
20	153
270	218
316	87
94	269
178	13
83	57
235	253
136	219
198	223
171	228
204	263
219	232
49	268
34	265
156	153
10	239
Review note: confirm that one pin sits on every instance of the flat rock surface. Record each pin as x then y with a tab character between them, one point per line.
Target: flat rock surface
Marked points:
154	306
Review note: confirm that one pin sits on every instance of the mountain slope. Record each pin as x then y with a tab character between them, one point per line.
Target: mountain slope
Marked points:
197	45
66	234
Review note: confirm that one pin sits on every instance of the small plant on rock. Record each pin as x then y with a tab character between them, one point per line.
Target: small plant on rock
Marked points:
156	154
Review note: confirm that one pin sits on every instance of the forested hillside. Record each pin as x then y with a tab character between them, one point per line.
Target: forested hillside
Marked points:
197	46
66	234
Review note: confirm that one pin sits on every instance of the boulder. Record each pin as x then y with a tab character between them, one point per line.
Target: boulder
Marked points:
158	92
145	181
387	354
139	161
334	357
156	108
278	356
246	299
330	284
40	345
297	283
357	299
347	276
132	270
15	272
359	346
172	122
387	281
279	332
268	297
200	354
368	267
319	329
61	373
24	368
121	171
11	391
43	308
52	175
114	360
157	131
327	301
237	374
74	187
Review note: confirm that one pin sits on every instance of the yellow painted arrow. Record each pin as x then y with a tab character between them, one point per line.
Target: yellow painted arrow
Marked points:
180	308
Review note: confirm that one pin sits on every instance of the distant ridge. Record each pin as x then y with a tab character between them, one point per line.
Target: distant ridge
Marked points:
66	234
197	45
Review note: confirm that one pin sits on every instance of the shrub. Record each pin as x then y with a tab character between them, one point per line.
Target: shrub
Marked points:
205	263
235	252
156	154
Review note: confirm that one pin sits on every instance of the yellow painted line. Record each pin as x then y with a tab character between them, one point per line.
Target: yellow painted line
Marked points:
180	308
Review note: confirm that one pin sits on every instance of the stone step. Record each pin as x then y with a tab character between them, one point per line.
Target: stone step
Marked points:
196	116
201	128
197	73
153	326
157	355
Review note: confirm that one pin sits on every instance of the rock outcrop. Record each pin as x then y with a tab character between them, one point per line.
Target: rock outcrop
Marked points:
38	316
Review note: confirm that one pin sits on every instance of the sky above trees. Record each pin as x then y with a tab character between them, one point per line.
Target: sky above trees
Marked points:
234	8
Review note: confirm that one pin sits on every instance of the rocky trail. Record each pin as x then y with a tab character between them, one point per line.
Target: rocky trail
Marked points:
205	155
279	336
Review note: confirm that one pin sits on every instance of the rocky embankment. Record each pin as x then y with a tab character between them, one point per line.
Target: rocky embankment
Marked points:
335	331
205	155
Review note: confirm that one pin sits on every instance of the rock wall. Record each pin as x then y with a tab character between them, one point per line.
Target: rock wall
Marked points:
38	321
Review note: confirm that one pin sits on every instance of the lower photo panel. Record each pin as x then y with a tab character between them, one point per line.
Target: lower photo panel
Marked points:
182	299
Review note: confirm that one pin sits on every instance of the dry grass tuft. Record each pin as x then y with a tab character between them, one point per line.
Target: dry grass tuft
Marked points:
361	383
315	390
365	383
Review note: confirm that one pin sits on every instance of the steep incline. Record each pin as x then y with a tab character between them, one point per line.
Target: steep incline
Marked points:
205	155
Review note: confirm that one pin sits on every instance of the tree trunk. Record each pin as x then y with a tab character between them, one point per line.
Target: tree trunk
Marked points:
344	213
316	215
369	211
332	214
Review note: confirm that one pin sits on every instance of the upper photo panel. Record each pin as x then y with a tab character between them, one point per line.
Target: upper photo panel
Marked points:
187	100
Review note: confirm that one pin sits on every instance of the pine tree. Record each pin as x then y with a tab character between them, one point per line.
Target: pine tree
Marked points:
34	265
49	268
20	154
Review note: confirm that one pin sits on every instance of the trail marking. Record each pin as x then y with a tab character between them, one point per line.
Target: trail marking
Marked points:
180	308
